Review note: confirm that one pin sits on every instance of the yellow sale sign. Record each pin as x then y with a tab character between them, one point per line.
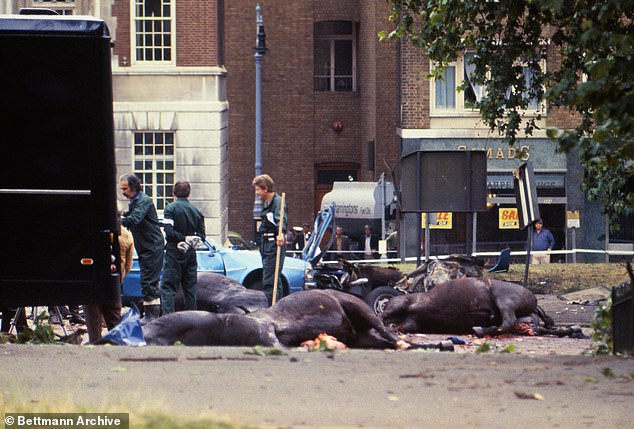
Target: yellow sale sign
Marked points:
441	220
508	218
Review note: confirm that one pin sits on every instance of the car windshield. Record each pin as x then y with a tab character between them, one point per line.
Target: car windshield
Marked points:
238	242
205	245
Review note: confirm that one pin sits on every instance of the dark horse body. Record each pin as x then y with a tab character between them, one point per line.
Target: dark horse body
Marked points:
219	294
463	305
294	319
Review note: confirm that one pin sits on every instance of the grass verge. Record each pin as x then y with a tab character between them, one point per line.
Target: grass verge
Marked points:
559	279
140	416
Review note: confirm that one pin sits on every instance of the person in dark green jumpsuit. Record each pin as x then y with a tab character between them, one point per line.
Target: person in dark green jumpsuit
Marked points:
269	234
184	225
142	221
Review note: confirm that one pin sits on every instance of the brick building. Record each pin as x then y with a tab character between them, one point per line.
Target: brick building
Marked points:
170	104
435	115
336	104
329	100
387	109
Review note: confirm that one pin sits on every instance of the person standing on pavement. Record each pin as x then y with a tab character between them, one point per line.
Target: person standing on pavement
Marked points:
184	230
543	242
271	239
369	243
340	244
142	221
110	313
302	237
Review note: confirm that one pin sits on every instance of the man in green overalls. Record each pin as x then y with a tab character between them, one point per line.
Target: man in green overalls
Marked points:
270	236
142	221
184	229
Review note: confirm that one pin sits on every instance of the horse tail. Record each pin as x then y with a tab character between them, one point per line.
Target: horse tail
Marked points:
548	321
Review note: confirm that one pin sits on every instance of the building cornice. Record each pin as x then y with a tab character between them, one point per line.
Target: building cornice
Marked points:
168	71
443	133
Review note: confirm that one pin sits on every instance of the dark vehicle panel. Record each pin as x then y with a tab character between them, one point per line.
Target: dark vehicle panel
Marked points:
57	180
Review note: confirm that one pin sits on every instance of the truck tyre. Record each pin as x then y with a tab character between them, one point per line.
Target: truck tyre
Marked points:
378	298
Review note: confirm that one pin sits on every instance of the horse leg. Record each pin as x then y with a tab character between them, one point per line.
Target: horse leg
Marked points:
482	331
548	321
364	319
570	331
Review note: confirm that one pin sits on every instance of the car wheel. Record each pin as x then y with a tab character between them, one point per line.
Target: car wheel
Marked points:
255	285
378	298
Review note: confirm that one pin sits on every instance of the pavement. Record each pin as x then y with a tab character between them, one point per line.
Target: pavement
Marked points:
344	389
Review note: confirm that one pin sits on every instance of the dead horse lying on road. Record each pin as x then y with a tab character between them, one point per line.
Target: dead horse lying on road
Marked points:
465	305
294	319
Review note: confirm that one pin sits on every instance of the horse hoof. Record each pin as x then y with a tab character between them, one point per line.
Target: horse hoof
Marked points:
478	331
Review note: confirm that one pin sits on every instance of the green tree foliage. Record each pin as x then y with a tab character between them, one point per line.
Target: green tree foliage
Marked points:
511	40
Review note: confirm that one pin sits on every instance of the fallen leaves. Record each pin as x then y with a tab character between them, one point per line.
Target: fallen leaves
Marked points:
324	342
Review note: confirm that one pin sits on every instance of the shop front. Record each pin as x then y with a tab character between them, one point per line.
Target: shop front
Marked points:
497	227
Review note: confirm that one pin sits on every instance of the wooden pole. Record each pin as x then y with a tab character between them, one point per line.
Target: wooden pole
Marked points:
279	251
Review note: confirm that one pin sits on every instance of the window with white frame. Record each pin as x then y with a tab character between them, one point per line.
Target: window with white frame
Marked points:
154	164
446	99
334	56
153	28
445	94
533	102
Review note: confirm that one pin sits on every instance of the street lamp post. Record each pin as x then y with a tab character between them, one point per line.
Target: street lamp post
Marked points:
260	50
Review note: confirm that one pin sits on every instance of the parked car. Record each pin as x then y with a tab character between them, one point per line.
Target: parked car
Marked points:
244	266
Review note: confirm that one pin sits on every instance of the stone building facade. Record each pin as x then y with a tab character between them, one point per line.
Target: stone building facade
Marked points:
170	98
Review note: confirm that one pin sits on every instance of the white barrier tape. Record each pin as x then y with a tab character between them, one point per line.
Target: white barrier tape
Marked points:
494	254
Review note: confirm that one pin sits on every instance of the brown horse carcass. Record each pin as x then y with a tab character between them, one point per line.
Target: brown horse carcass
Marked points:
464	305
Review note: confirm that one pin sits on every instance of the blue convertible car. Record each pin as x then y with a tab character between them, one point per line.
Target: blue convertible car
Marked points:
245	266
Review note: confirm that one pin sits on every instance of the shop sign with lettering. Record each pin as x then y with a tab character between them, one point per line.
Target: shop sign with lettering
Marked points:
508	218
542	181
442	220
500	152
572	219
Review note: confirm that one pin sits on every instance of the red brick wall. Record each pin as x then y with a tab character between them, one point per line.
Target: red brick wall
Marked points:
121	11
297	121
387	96
196	35
558	117
415	87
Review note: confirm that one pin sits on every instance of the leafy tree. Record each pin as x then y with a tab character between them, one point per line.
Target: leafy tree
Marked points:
510	40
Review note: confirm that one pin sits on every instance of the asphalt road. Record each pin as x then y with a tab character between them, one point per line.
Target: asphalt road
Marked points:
348	389
545	382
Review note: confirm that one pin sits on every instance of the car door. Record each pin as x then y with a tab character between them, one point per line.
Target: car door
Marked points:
209	259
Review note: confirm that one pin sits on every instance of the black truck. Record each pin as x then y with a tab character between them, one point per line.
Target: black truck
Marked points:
58	228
